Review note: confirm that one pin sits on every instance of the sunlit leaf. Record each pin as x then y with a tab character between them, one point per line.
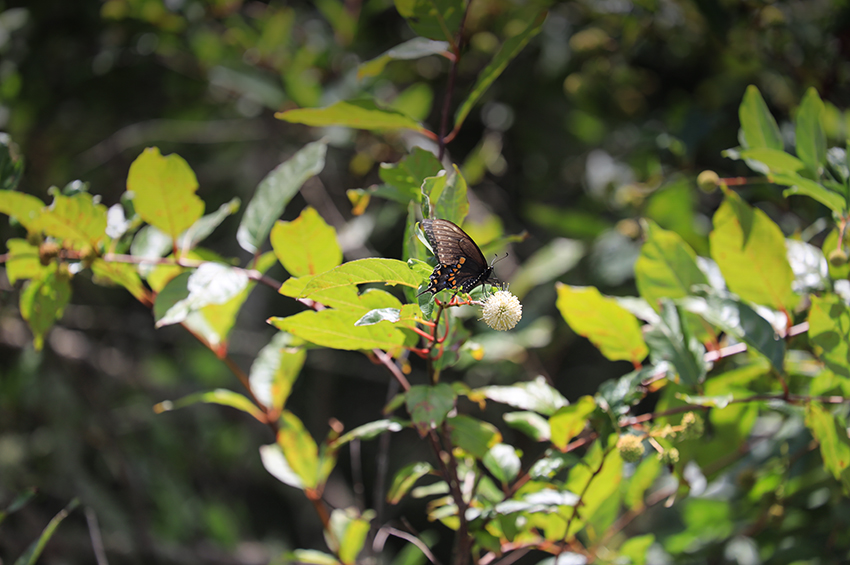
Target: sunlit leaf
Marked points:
750	250
609	326
491	72
829	328
336	329
211	283
597	477
43	301
569	421
407	175
810	140
275	369
164	191
306	245
122	274
352	540
775	160
388	271
23	261
812	189
312	557
275	463
220	396
405	479
369	431
534	395
670	341
503	462
530	423
299	449
666	267
23	207
831	434
640	481
415	48
77	218
447	194
757	124
357	114
636	548
275	191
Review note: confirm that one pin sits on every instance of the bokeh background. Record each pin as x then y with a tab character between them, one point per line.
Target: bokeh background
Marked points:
607	116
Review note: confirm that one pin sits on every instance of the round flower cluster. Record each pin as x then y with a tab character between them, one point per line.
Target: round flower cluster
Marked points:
502	311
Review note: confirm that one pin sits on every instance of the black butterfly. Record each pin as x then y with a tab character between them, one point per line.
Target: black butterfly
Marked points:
461	266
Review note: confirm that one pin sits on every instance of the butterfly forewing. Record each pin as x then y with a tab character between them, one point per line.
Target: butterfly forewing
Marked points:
461	266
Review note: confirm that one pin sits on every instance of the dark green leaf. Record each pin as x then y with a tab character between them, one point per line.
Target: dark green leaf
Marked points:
429	405
33	552
809	135
669	341
11	164
757	124
434	19
43	302
473	435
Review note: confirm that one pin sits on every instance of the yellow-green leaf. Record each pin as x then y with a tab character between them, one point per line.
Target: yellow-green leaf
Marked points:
750	250
336	329
829	331
299	448
388	271
757	124
275	369
473	435
23	261
77	218
23	207
220	396
358	114
164	191
809	137
569	421
122	274
609	326
831	434
43	302
666	267
306	245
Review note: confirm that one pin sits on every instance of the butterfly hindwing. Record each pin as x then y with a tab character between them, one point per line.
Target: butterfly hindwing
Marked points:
462	265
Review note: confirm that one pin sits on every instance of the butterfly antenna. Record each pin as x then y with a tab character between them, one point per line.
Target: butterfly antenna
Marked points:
496	258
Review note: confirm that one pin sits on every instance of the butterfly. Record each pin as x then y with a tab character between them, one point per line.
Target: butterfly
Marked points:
461	265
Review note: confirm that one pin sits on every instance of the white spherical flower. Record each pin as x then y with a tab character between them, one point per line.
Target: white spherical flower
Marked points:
502	311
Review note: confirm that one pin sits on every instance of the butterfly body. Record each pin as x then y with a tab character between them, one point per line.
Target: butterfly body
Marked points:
461	265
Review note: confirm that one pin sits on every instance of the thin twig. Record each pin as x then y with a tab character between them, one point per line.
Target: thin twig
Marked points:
96	539
386	531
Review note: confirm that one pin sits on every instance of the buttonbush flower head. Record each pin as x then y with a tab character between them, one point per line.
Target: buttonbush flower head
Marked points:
502	311
631	448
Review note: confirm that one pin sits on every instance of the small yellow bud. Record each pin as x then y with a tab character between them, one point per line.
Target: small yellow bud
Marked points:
631	448
669	456
708	181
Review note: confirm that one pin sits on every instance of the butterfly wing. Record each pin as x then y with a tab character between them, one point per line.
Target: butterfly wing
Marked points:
461	264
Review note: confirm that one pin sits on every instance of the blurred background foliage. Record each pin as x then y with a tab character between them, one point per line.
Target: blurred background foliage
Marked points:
608	115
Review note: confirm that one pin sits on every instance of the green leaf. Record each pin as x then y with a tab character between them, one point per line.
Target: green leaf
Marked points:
211	283
357	114
644	476
306	245
43	302
77	218
405	479
299	448
775	160
758	127
164	191
11	164
415	48
388	271
336	329
530	423
509	50
636	548
667	266
609	326
219	396
122	274
275	369
311	556
829	328
434	19
713	401
447	194
831	434
275	191
408	174
669	341
534	395
429	405
548	263
546	500
23	207
737	319
351	542
23	261
503	462
569	421
33	552
750	250
472	435
812	189
202	229
369	431
275	463
810	138
598	477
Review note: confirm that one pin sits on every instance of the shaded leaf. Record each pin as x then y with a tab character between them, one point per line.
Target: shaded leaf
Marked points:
810	140
447	195
164	191
434	19
219	396
473	435
831	434
33	552
11	164
202	229
407	175
530	423
43	302
669	341
757	124
306	245
812	189
429	405
609	326
412	49
509	50
829	328
275	191
503	462
548	263
644	476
